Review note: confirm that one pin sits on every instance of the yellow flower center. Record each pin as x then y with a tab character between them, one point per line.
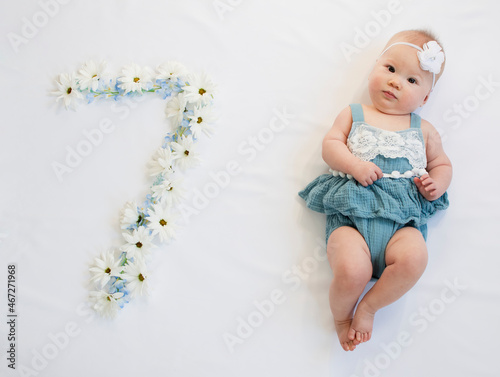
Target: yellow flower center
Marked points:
69	90
107	270
200	119
202	91
140	277
138	244
163	222
186	152
136	79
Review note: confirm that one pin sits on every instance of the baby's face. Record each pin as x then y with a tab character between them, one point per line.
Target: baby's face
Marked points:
397	84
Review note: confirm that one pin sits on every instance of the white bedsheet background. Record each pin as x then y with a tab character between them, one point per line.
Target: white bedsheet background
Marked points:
254	242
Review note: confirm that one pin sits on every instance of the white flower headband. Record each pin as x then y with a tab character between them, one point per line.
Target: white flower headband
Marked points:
431	57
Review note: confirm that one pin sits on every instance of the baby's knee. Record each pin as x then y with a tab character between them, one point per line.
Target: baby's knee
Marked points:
409	251
352	276
415	261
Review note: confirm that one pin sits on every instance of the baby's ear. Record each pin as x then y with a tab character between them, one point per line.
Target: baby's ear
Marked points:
425	99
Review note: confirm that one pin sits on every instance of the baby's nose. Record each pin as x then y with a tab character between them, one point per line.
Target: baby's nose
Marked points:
395	83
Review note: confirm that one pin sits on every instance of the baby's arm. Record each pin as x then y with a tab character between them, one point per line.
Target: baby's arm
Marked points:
434	184
338	157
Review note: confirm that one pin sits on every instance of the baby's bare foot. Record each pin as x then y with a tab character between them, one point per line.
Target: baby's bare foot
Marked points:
362	324
342	328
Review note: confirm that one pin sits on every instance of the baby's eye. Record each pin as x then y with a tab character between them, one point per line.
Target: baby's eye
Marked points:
391	68
411	80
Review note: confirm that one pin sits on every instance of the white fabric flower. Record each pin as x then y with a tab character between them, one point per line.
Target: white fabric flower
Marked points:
105	267
168	191
171	70
162	222
139	243
184	151
390	141
175	108
90	74
135	78
67	90
200	120
431	57
200	90
104	303
136	277
362	141
162	162
129	215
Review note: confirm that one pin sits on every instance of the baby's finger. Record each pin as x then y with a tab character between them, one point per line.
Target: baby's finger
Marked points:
424	177
417	182
430	188
431	194
427	181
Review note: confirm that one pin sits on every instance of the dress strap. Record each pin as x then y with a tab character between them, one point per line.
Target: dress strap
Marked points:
357	112
415	120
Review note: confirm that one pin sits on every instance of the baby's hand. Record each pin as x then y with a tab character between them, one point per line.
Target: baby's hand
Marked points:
366	173
426	186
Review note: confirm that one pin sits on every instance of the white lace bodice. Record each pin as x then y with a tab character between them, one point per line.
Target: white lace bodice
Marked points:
367	142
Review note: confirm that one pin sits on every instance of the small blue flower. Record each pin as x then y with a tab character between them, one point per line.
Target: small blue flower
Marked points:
167	140
160	178
90	97
185	123
165	90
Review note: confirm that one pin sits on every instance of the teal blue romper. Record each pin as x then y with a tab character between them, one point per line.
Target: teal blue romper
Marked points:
390	203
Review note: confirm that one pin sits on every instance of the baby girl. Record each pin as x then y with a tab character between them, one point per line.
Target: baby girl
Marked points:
389	175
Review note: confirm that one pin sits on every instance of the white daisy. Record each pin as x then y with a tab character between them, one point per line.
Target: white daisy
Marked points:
175	108
67	90
162	162
105	267
135	78
200	120
104	303
90	74
171	70
162	222
168	191
138	243
136	277
129	215
200	90
184	151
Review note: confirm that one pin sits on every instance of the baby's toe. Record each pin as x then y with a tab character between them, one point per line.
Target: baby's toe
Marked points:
359	336
365	337
351	334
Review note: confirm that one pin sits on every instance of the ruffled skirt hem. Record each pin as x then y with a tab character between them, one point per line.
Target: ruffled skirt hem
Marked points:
394	199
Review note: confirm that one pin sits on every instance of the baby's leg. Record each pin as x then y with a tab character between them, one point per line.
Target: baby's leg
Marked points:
349	259
406	259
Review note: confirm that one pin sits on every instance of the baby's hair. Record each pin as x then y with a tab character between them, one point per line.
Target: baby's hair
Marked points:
417	37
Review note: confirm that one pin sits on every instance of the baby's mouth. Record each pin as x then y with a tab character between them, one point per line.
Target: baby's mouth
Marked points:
389	94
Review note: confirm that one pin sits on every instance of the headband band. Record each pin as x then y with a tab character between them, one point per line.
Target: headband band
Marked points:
430	57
